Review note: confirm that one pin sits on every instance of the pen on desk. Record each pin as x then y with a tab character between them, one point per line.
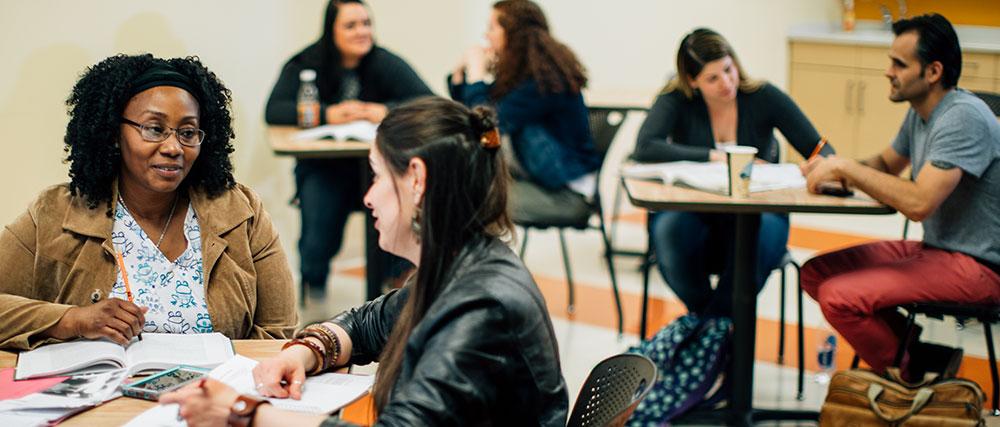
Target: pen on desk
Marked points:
128	289
819	147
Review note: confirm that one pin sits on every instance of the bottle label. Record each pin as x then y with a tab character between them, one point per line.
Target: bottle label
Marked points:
308	114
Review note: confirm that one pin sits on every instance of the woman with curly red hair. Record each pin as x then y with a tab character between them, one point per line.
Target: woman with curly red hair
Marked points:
536	90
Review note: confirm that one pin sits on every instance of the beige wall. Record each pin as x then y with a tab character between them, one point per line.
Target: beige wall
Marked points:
627	46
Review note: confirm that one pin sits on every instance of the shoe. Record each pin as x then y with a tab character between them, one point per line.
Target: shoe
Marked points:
934	358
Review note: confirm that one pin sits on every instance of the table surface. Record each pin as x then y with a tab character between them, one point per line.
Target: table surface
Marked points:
123	409
282	143
655	195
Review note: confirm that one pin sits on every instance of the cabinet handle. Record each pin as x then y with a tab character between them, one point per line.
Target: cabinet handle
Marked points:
848	96
861	97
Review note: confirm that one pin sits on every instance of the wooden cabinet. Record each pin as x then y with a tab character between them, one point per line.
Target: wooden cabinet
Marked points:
844	92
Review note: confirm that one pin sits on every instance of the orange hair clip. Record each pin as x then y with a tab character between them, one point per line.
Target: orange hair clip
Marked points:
490	139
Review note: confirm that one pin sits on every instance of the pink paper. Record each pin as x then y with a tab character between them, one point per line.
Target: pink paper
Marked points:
10	389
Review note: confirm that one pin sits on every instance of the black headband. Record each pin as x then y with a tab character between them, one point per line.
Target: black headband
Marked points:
162	75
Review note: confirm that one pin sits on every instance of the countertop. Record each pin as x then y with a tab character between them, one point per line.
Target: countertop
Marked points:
871	33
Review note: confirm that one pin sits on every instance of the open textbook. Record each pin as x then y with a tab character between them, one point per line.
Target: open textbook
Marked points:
321	394
153	353
360	130
713	177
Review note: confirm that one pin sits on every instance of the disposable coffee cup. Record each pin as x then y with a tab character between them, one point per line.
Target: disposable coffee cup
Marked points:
739	163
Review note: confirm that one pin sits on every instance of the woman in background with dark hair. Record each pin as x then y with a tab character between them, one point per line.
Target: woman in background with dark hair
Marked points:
151	214
468	341
536	91
710	104
357	80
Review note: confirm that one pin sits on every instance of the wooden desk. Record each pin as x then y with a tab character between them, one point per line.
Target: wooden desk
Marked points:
123	409
656	196
282	144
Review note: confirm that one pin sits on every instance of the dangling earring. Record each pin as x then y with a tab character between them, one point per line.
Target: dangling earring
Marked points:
415	223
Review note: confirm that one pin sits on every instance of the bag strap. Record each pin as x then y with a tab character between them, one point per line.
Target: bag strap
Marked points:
922	398
895	375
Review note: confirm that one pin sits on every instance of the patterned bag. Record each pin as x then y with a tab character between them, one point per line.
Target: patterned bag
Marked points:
690	354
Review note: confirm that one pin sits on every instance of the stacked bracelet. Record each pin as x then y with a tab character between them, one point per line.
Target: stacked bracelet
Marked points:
336	342
316	349
324	339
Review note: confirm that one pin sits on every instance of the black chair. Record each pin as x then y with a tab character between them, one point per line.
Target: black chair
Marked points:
613	390
604	124
786	261
992	100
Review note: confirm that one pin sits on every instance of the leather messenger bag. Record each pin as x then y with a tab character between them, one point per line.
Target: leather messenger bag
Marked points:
862	398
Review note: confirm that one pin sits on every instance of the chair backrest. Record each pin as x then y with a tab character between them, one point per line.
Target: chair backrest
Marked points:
991	99
612	390
604	124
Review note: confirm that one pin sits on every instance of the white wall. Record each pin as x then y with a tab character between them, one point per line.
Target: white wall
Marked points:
627	46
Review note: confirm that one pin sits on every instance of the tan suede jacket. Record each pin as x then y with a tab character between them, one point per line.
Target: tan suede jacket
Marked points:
58	254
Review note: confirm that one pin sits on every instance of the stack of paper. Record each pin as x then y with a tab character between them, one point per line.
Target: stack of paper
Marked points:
360	130
713	177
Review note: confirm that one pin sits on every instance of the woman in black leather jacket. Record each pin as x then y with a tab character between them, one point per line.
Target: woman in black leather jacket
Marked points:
468	341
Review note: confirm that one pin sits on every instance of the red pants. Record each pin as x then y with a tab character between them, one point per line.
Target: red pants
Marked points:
859	287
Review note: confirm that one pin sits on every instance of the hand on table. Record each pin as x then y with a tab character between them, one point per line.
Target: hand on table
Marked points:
203	405
346	111
821	170
283	375
113	318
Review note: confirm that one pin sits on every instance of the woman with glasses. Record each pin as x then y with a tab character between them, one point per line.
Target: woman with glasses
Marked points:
357	80
152	233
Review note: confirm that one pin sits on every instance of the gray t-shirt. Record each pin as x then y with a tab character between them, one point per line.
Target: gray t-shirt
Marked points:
961	132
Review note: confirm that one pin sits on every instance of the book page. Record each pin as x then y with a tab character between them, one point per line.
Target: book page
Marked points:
360	130
162	351
68	357
713	177
321	394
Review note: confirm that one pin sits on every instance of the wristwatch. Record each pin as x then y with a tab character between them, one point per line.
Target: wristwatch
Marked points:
243	409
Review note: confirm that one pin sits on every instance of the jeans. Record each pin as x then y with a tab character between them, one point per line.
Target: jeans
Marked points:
691	246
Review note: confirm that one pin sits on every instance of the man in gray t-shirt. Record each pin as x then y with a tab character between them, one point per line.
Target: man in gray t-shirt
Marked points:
951	140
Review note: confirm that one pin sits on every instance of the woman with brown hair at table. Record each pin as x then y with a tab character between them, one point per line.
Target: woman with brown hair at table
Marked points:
468	341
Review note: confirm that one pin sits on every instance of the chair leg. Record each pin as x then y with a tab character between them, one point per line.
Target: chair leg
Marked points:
609	258
615	209
569	275
856	361
904	342
781	320
524	244
802	341
993	367
646	265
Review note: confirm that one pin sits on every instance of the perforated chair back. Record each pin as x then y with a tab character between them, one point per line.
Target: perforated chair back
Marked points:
613	390
992	100
604	125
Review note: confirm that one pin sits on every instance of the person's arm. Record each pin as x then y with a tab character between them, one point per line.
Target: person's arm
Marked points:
369	325
24	319
654	143
793	124
275	316
282	105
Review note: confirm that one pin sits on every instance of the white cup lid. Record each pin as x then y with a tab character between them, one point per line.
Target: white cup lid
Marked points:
740	149
307	75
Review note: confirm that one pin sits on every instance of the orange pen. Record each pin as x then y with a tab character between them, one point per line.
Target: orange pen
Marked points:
819	147
128	289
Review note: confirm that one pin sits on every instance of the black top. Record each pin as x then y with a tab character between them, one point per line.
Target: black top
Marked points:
484	354
678	128
385	78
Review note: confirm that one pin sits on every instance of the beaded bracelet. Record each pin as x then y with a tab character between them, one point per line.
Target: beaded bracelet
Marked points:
324	339
336	342
316	349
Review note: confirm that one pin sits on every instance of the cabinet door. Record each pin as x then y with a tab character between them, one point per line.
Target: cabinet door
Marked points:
879	118
976	84
827	96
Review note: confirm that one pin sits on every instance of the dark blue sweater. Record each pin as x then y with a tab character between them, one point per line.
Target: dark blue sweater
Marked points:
550	132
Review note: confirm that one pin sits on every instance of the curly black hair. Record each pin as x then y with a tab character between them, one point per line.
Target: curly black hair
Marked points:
95	109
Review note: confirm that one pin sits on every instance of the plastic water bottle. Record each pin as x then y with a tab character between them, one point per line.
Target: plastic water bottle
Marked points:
308	99
826	356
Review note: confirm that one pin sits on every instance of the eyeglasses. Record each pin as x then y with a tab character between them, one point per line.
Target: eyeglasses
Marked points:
188	136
